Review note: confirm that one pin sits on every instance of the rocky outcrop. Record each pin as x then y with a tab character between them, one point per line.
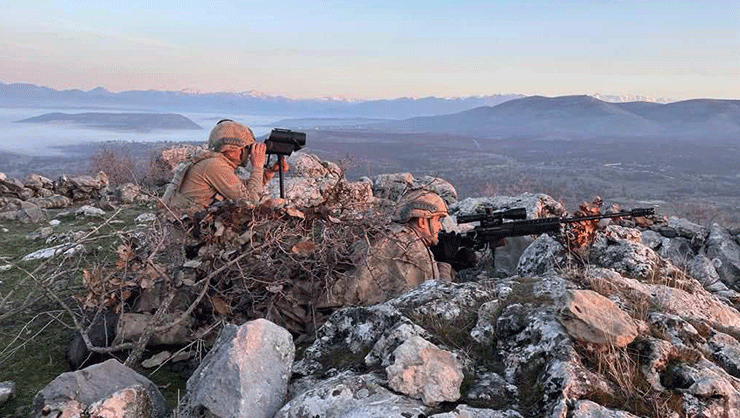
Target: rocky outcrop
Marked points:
245	374
101	387
7	391
312	182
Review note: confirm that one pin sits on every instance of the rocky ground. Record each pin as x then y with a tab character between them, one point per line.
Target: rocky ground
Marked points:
642	322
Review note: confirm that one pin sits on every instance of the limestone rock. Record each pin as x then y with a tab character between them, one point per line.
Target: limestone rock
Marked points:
73	392
464	411
52	202
678	251
67	250
687	229
543	255
88	211
392	186
490	389
702	269
722	246
675	329
42	233
537	205
589	409
484	331
127	193
726	352
7	391
652	239
349	332
441	187
382	352
592	318
615	248
350	396
145	218
245	374
170	158
423	371
30	213
131	402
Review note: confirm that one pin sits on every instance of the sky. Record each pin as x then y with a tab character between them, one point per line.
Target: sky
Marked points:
377	49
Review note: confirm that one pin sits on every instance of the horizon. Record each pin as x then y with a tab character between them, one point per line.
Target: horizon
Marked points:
657	49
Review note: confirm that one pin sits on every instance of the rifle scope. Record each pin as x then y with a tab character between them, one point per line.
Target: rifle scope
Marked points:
490	216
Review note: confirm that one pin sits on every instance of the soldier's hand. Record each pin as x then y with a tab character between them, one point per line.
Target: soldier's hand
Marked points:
257	155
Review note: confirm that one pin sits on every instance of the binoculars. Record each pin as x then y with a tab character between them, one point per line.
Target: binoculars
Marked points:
284	141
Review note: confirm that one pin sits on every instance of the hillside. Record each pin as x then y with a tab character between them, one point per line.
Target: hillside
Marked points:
639	319
585	117
118	121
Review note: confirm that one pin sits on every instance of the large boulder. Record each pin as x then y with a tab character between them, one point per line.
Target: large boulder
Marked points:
537	205
52	202
720	245
81	187
245	374
396	185
72	393
312	182
594	319
423	371
622	249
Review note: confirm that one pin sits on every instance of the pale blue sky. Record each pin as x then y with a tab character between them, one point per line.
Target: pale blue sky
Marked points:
385	49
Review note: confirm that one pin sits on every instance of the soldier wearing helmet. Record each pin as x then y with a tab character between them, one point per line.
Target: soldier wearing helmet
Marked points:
401	260
211	176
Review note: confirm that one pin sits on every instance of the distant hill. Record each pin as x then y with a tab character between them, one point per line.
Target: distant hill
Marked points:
118	121
29	95
579	117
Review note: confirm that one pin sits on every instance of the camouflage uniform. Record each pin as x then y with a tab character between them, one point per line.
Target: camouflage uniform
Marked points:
397	263
211	176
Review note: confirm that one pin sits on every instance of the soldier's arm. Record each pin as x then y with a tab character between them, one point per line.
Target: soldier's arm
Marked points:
222	177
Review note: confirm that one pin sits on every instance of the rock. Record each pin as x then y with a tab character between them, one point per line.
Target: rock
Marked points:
708	391
589	409
245	374
620	249
490	389
722	246
594	319
382	352
350	396
678	251
688	230
169	159
42	233
87	211
55	222
38	182
66	250
30	213
511	321
73	392
392	186
348	333
543	255
652	239
52	202
81	187
309	182
485	328
423	371
7	391
441	187
702	269
156	360
132	325
676	330
725	352
537	205
668	232
131	402
127	193
464	411
145	218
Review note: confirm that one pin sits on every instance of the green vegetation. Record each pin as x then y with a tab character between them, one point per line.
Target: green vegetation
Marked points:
34	328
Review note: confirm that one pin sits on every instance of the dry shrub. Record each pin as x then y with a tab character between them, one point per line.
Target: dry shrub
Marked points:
119	166
631	391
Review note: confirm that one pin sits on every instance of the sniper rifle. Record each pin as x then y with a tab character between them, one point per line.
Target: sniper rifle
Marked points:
457	248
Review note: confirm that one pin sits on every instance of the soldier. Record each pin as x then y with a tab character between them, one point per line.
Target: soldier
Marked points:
211	177
401	260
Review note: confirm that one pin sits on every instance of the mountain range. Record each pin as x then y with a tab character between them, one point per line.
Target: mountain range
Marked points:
30	95
585	117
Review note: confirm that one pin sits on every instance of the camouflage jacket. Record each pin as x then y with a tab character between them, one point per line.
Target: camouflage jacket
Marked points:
397	263
209	178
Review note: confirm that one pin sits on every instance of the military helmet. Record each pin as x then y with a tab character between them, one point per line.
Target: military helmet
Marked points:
420	204
228	132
